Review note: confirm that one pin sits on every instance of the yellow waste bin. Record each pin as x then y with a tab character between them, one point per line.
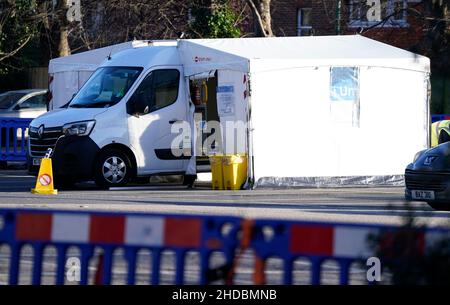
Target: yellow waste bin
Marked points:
234	171
216	171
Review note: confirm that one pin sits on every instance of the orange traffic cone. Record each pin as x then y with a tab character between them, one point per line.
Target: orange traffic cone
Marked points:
44	182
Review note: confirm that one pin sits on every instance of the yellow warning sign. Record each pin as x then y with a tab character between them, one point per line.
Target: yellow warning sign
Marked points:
44	182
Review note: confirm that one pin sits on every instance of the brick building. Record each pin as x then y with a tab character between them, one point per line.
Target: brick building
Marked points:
324	17
398	22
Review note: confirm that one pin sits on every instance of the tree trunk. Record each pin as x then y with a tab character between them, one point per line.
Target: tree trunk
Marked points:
63	46
261	9
265	17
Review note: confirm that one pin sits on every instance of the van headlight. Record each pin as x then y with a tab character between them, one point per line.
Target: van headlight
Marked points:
83	128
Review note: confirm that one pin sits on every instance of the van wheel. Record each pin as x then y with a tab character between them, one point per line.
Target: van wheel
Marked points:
112	168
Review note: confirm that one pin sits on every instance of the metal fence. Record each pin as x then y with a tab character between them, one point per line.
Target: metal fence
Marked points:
319	243
132	232
13	139
97	237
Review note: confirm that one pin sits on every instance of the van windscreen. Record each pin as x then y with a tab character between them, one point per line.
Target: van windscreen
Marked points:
106	87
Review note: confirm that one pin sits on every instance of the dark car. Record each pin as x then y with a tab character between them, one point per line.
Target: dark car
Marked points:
427	178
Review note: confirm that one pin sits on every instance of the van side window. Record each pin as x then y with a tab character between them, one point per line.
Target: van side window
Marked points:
158	90
165	87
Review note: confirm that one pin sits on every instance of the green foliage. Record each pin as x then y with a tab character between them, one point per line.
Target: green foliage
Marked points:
220	22
15	32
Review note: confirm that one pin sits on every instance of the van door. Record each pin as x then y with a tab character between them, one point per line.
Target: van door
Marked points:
158	102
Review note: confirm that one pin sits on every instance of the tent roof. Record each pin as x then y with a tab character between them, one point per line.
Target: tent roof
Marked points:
300	51
262	54
90	60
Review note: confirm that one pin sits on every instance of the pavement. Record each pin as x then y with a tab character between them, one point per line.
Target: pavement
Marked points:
378	205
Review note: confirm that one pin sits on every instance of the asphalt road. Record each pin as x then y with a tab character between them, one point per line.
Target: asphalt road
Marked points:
361	205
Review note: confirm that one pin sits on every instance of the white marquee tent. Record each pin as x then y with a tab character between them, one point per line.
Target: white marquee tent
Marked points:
331	109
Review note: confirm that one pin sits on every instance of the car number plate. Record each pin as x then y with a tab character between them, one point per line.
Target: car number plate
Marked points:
37	161
423	195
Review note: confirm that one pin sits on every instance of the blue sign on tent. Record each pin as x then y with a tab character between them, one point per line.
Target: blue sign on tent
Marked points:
344	84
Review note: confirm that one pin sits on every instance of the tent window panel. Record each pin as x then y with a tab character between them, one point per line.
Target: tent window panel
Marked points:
344	83
344	95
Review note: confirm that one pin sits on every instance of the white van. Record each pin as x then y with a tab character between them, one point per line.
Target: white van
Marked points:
118	126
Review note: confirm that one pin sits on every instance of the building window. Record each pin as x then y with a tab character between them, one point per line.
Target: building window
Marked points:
304	27
380	13
398	10
191	16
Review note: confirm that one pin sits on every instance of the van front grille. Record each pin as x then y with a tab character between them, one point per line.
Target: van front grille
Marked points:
40	145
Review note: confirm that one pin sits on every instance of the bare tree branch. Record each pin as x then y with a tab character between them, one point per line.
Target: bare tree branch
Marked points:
14	52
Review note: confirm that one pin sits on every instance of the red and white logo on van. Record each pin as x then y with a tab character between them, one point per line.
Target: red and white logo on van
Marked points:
202	59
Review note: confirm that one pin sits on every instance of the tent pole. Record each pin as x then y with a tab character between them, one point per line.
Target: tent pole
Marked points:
250	183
